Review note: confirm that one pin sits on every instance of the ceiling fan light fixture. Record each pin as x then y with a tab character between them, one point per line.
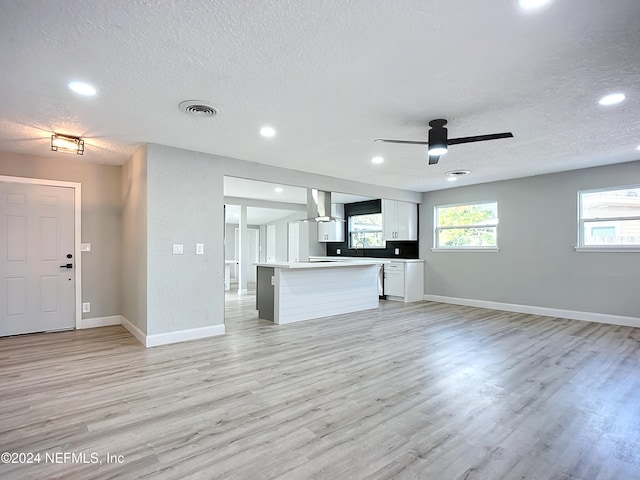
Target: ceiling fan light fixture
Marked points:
438	144
67	144
437	150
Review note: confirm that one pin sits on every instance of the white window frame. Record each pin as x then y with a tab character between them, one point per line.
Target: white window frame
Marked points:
581	247
364	247
438	248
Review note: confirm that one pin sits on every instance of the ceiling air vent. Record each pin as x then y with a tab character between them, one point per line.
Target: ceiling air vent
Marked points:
458	173
198	108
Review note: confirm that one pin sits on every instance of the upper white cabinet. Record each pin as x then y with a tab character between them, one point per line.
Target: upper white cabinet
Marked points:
332	231
399	220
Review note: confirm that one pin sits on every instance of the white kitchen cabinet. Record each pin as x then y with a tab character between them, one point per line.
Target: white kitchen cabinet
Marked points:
399	220
394	279
332	231
404	280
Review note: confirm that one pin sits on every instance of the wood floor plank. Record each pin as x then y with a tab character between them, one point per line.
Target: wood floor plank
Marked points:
424	391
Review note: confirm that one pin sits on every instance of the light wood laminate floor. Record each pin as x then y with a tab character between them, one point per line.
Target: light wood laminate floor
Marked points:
419	391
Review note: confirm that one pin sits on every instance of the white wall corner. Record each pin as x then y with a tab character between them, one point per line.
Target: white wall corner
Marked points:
134	330
533	310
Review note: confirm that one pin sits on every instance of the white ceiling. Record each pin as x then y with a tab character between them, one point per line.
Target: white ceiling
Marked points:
330	76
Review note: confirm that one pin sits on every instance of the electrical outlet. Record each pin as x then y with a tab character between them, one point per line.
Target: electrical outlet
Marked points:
397	251
86	307
338	251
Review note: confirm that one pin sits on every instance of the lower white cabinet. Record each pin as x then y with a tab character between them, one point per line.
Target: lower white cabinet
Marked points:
394	279
404	281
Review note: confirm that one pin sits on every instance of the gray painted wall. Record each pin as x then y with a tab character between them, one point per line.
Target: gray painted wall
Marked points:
185	206
134	239
537	264
101	215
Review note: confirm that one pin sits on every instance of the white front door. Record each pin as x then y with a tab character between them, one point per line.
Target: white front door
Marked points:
37	290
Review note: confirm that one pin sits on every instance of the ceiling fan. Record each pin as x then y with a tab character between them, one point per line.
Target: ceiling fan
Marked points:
439	143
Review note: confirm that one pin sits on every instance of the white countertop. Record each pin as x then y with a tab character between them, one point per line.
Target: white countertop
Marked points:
328	264
339	258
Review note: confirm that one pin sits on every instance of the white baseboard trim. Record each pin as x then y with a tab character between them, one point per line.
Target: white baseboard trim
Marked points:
134	330
184	335
99	322
548	312
157	339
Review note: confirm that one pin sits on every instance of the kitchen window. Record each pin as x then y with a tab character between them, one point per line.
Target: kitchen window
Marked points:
471	226
609	219
365	231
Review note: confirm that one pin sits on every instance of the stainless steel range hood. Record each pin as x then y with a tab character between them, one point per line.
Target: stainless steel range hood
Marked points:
319	207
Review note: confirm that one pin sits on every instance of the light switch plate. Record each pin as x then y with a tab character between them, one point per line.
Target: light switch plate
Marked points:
178	249
85	247
199	248
86	307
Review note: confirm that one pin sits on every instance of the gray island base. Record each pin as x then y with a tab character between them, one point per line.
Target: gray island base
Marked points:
297	291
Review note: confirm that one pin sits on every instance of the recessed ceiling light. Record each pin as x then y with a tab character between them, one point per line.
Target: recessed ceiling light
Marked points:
279	189
267	132
82	88
532	4
377	160
612	99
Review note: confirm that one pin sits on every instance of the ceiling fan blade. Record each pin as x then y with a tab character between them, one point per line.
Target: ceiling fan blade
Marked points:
409	142
433	159
479	138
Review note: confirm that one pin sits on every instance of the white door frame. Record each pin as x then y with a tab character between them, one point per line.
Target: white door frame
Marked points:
77	198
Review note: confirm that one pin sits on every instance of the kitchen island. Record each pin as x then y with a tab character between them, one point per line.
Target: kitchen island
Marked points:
297	291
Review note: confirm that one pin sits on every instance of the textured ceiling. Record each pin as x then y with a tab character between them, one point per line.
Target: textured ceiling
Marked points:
330	76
